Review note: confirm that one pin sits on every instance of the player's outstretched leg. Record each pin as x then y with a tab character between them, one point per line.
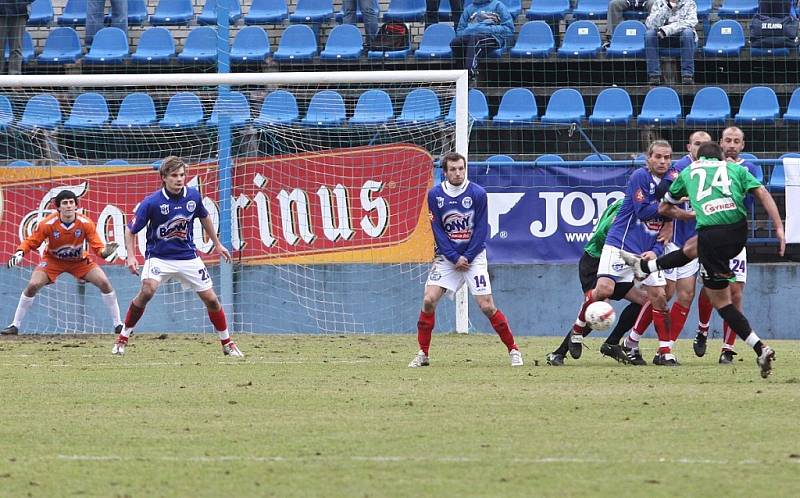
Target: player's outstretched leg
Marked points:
23	306
425	324
124	333
611	346
501	327
704	309
739	323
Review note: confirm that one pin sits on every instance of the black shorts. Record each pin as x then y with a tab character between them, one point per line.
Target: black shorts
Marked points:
716	246
587	272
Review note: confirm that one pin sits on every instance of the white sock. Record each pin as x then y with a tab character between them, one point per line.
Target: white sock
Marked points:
634	336
652	266
24	305
752	339
126	332
110	300
223	334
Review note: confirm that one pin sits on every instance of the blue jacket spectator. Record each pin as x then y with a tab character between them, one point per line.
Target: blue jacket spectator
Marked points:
485	25
13	16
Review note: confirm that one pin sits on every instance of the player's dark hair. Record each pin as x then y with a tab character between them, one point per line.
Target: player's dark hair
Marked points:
64	194
170	164
711	150
452	157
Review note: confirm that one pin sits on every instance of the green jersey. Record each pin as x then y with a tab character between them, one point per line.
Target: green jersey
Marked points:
595	245
716	190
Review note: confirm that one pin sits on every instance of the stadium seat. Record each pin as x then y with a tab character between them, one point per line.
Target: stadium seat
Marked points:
184	110
661	106
137	13
74	13
41	111
793	112
6	113
20	164
298	43
69	162
759	174
499	158
41	13
478	108
545	10
374	107
549	158
235	106
325	109
777	179
250	45
590	9
703	8
109	46
535	40
200	46
209	14
710	106
565	106
172	13
725	37
136	110
596	158
155	45
738	8
313	11
421	106
582	39
62	47
435	43
613	107
267	12
117	162
279	107
405	11
89	111
517	107
759	105
627	40
344	43
514	7
27	48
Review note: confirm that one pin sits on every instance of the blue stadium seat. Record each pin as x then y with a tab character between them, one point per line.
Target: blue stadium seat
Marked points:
627	40
155	45
267	12
41	111
582	39
768	52
136	110
74	13
777	179
344	43
590	9
325	109
596	158
759	106
20	164
478	108
69	162
298	43
703	8
6	113
793	111
209	15
514	7
200	46
27	48
499	158
250	45
738	8
661	106
565	106
313	11
391	54
421	106
235	106
62	47
535	40
117	162
374	107
184	110
726	37
279	107
89	111
435	43
137	12
172	13
41	13
759	174
552	158
613	107
517	108
547	10
710	106
109	46
405	11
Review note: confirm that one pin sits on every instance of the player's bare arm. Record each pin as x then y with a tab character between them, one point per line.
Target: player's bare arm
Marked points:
665	233
211	230
672	211
771	208
130	247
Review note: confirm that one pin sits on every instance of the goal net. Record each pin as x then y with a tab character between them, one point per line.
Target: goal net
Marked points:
316	182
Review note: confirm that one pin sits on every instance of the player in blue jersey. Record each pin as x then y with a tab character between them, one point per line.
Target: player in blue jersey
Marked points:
460	224
168	214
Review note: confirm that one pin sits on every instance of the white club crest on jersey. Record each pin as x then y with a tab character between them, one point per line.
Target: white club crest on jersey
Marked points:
164	209
191	206
466	202
440	202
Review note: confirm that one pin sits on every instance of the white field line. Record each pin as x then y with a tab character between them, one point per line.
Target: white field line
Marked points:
120	364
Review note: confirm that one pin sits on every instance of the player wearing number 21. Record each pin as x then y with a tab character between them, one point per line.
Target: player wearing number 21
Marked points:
460	224
169	214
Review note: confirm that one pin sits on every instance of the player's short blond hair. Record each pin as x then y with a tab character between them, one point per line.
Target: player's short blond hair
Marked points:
657	143
170	164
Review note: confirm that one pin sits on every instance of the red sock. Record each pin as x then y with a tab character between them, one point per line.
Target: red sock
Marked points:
644	319
661	323
580	327
218	319
425	325
677	317
500	325
133	315
728	335
704	309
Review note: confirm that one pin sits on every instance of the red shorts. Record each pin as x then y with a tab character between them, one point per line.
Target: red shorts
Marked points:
55	267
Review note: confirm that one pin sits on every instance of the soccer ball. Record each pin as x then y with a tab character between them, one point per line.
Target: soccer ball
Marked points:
600	315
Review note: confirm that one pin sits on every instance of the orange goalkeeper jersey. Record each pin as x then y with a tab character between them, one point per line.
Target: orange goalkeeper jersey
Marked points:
64	243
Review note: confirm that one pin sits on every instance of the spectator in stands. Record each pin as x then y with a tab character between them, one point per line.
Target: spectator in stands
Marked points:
484	25
432	11
370	11
616	9
671	25
95	15
13	16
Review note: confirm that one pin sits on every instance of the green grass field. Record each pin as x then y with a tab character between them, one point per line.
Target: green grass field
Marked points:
343	416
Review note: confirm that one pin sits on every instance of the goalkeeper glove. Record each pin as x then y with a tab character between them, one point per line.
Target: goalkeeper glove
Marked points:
109	253
15	259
